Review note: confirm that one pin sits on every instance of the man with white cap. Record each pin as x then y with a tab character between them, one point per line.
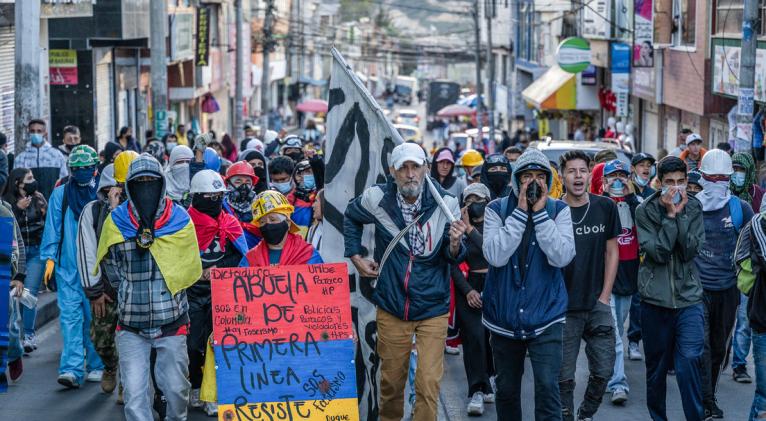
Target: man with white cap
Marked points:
694	151
413	285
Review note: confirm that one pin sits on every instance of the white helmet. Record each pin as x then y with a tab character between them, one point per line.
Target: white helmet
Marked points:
207	181
716	162
270	136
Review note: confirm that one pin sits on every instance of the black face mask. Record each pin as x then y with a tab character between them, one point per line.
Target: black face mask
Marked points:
476	210
498	181
274	233
210	207
262	185
145	197
296	156
30	188
533	193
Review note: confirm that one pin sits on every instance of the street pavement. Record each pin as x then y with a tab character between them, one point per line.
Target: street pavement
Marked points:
38	397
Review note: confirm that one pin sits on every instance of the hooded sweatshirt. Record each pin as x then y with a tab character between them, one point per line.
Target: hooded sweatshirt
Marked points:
177	177
497	190
453	184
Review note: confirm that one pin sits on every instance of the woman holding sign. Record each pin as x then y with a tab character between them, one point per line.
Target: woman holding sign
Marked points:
281	244
221	244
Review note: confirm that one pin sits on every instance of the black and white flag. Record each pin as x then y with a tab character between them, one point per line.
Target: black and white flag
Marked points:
358	146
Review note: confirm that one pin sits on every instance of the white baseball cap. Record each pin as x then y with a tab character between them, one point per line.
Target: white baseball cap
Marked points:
692	137
407	152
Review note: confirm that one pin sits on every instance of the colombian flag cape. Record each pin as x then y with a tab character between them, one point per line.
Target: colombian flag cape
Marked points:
179	264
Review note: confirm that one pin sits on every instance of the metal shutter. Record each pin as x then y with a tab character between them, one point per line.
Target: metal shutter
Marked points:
7	72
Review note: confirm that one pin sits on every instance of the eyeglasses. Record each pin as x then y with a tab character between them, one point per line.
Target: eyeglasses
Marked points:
496	159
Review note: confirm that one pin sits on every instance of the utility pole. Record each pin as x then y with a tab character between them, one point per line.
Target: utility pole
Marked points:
27	80
265	78
157	22
300	39
489	13
239	105
744	142
479	89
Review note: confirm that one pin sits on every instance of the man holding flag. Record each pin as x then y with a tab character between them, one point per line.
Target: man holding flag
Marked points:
413	282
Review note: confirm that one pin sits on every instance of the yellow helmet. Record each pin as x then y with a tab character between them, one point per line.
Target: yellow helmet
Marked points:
121	165
471	158
272	201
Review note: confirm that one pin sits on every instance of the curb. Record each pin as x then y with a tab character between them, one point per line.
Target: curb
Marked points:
47	309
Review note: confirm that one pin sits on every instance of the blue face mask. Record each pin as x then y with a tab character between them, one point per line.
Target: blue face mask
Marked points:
676	197
309	183
738	178
36	138
617	188
83	176
283	188
642	182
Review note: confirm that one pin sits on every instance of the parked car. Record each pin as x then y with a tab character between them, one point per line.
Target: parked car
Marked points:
409	133
553	149
408	117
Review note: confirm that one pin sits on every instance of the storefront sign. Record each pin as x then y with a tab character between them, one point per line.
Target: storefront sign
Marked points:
53	9
63	67
594	18
643	40
645	83
283	343
181	40
573	55
620	67
619	57
588	76
202	50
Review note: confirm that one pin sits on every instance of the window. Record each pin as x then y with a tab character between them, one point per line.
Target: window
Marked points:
728	17
684	22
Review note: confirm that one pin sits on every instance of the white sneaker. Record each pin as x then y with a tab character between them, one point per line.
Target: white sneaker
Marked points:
95	376
634	352
476	406
210	408
619	397
29	343
194	399
452	350
489	398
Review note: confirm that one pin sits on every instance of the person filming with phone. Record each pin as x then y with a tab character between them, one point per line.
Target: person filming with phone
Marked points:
528	239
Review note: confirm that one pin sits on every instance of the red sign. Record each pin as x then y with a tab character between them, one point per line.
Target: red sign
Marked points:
63	76
257	304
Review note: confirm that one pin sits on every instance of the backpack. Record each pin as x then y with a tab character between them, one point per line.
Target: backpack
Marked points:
735	211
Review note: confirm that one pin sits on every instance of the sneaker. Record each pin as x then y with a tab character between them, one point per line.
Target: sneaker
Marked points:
194	399
476	406
120	397
109	381
69	380
95	376
634	352
489	398
29	343
210	408
713	411
619	397
493	384
740	375
452	350
15	370
160	405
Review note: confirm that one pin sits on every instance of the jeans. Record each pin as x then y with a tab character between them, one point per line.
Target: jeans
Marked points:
172	370
634	328
10	343
759	357
720	315
676	335
545	354
741	344
33	280
394	348
596	328
621	306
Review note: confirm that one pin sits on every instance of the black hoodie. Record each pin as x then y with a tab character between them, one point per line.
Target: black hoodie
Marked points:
486	181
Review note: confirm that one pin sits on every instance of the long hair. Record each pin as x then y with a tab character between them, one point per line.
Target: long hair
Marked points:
11	193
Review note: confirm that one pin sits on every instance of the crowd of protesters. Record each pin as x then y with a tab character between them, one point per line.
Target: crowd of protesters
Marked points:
542	255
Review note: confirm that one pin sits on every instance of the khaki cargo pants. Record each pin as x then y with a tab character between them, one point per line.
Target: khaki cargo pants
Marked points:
394	346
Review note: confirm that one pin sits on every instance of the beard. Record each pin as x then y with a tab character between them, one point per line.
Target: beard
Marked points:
410	189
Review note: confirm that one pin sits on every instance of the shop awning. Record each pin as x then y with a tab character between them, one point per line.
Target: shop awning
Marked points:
554	90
